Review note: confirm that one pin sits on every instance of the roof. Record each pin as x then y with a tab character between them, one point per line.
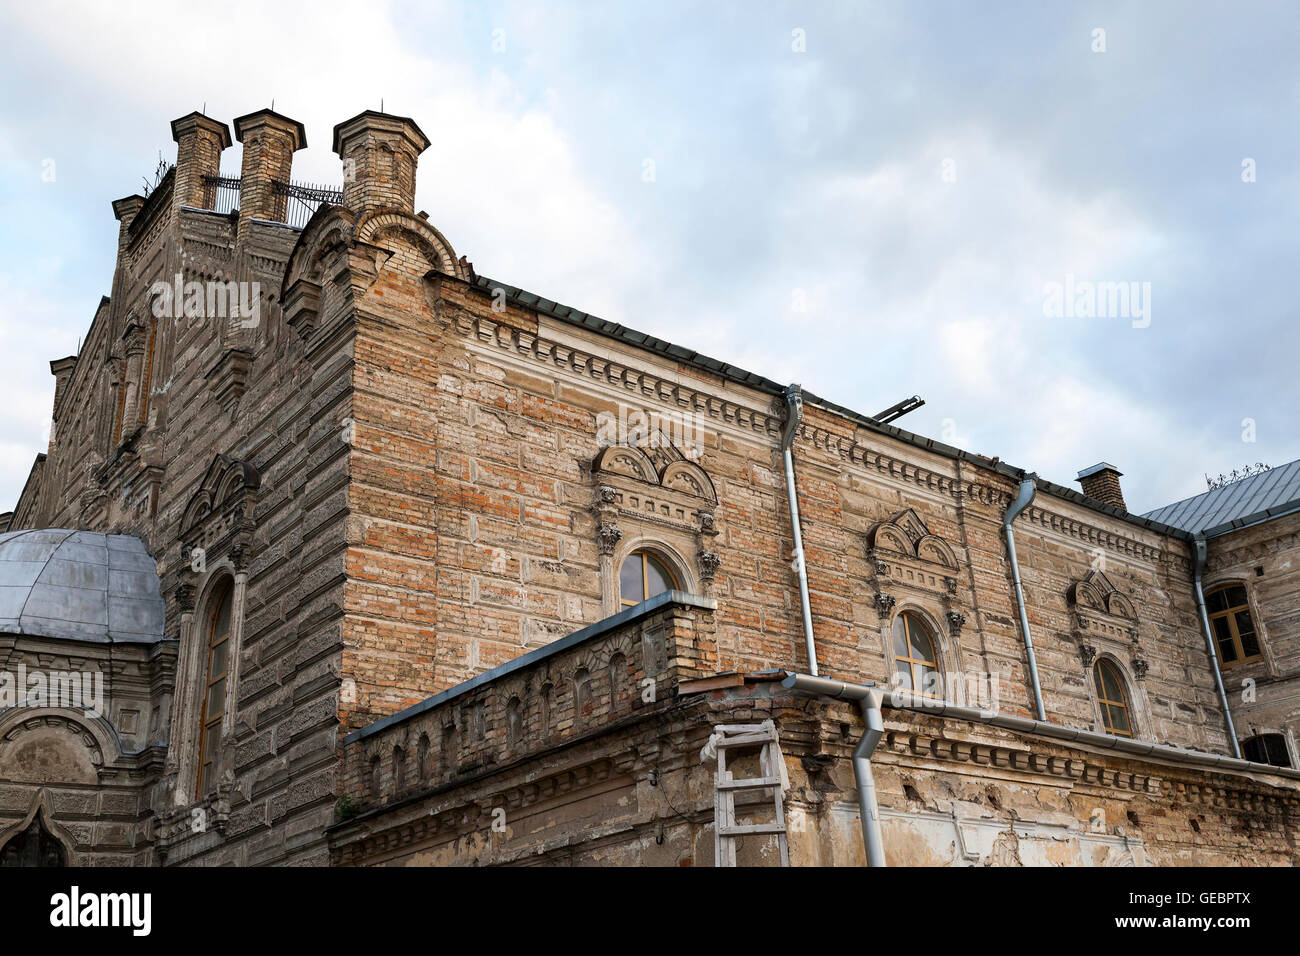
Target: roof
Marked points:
1252	499
80	586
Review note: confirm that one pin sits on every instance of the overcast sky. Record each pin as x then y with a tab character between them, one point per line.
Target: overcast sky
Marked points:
871	199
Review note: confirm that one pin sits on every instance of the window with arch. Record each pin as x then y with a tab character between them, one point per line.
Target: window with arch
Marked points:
1234	631
215	691
1113	699
915	661
1266	748
642	576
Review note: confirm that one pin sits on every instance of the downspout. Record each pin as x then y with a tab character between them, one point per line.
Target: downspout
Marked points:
1026	495
794	415
868	702
1198	543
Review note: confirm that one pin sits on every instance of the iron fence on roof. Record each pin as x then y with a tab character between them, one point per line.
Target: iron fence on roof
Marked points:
303	199
221	194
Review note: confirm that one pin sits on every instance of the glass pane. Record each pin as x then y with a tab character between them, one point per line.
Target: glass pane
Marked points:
216	698
1249	645
657	576
904	676
1106	683
221	624
929	680
205	779
1236	597
1118	719
1227	652
900	637
218	660
1276	750
629	580
922	649
213	742
1221	630
1217	601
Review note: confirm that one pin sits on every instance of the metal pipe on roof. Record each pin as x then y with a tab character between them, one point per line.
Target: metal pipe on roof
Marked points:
794	415
1198	545
1023	499
868	702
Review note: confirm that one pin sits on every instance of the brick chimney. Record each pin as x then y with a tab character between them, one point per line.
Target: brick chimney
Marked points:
199	142
269	140
379	154
1101	483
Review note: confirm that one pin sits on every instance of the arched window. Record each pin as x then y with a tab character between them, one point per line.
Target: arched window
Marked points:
642	577
215	690
1234	631
1112	698
35	846
1266	748
915	661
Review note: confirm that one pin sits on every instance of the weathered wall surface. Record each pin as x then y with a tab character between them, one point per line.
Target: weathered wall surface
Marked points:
1264	694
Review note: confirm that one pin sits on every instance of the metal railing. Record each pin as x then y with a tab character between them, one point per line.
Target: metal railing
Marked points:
301	200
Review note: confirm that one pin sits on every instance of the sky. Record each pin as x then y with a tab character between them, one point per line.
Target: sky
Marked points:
874	200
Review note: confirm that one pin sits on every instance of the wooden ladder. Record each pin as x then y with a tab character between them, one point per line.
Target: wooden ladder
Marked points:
734	737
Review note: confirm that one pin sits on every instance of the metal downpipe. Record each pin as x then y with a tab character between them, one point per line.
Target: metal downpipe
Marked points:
1023	499
868	702
794	415
1198	543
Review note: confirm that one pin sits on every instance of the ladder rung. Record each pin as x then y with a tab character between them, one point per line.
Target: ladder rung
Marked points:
748	783
752	828
740	728
748	740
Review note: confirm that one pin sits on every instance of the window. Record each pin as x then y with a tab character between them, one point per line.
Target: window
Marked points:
1112	698
1230	621
1266	748
215	690
915	661
642	577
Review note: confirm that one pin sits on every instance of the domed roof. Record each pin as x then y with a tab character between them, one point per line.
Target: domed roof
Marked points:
79	585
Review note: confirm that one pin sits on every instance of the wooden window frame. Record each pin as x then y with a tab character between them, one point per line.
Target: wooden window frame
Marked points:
645	554
225	593
1105	703
911	620
1230	615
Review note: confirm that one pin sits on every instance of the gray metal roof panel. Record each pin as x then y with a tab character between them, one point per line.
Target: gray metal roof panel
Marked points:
79	585
1257	494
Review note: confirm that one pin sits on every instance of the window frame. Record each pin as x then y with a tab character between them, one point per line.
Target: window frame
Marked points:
909	617
223	595
646	554
1229	614
1104	702
1263	738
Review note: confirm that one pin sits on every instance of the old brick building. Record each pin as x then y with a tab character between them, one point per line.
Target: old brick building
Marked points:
445	572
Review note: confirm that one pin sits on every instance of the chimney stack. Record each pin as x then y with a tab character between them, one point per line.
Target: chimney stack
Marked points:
199	142
379	154
269	140
125	210
62	370
1101	483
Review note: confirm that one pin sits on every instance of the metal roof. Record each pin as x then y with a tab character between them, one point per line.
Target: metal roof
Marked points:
79	586
1258	497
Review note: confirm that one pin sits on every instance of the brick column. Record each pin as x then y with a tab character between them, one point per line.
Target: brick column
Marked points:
379	154
199	143
269	141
